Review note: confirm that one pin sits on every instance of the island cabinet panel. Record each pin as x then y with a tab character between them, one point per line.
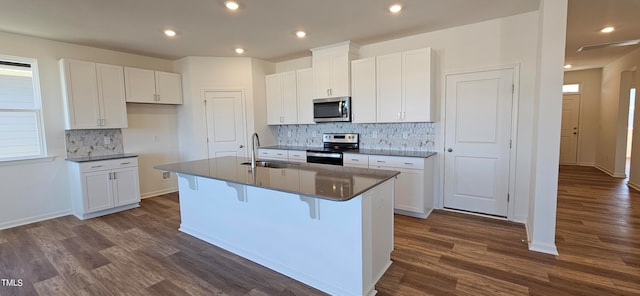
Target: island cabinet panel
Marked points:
339	247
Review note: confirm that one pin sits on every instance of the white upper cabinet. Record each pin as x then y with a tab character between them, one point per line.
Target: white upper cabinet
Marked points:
404	87
111	96
153	87
168	88
282	106
389	87
331	70
363	90
417	88
304	82
94	95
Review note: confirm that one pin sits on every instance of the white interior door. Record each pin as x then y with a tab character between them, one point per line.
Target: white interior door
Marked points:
225	123
477	141
569	129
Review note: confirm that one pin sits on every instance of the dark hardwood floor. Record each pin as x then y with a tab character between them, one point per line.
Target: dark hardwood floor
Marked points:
140	252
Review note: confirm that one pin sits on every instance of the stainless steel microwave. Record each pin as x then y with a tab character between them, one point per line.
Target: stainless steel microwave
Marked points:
332	109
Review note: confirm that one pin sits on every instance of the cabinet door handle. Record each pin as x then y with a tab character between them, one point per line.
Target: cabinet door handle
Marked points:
353	159
380	161
124	163
408	163
96	166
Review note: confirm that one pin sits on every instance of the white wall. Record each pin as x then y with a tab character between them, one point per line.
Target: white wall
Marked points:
211	73
36	191
590	89
152	134
259	69
614	112
614	108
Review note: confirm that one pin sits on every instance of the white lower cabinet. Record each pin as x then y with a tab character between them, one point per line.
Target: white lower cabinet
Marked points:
104	187
414	186
276	154
284	155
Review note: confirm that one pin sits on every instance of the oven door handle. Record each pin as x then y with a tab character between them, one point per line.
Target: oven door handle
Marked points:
327	155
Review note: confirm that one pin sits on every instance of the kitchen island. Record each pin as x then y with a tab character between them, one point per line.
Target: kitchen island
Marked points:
330	227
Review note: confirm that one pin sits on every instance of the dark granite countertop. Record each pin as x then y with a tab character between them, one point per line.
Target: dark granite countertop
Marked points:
101	157
336	183
405	153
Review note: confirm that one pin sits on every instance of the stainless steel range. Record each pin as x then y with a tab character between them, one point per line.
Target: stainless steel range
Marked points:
333	146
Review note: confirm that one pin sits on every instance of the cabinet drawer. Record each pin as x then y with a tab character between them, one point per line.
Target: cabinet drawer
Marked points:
273	153
297	155
94	166
396	162
356	159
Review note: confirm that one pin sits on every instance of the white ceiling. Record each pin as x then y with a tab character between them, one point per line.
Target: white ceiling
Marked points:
265	29
584	21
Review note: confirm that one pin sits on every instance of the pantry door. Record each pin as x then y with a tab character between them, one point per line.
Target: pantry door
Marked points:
225	122
478	140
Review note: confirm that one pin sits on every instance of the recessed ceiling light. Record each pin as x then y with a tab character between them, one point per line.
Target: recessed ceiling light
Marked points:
395	8
607	30
231	5
170	33
301	34
567	66
239	50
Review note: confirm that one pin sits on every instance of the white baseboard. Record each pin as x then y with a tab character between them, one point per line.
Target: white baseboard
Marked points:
29	220
537	246
158	192
633	185
610	172
543	248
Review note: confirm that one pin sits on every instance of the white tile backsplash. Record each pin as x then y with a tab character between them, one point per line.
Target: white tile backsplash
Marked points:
383	136
87	143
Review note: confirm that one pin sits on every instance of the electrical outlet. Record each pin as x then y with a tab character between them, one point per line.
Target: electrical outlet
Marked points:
374	134
166	175
289	134
405	135
314	134
107	140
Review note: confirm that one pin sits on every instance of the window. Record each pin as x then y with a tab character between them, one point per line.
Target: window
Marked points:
21	132
571	88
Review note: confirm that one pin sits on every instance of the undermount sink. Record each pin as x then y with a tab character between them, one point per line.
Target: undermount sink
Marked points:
272	164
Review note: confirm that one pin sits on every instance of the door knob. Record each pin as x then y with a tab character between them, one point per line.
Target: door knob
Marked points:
450	150
241	146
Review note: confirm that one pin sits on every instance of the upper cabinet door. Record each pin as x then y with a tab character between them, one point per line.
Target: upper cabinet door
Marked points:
81	93
140	85
112	96
363	90
304	82
168	88
340	82
289	98
322	76
388	79
274	98
416	86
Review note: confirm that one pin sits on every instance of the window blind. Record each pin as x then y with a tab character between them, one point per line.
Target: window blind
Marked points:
20	112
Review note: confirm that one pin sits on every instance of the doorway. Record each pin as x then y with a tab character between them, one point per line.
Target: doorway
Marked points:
569	132
478	110
225	121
